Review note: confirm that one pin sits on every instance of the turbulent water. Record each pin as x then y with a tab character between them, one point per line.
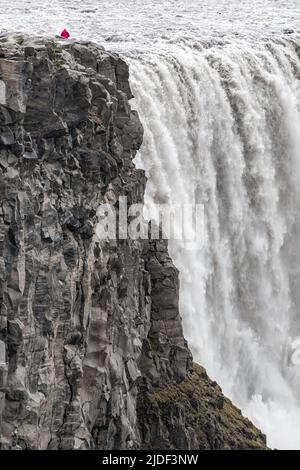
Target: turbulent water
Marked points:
223	129
217	88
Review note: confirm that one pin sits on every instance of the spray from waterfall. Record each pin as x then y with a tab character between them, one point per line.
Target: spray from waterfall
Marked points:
222	129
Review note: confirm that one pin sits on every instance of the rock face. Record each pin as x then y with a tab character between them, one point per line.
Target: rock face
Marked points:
92	354
194	414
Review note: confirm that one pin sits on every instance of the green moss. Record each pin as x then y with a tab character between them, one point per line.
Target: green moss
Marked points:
216	422
19	40
58	63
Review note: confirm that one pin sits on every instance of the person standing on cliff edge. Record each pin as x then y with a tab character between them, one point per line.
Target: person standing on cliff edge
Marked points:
65	34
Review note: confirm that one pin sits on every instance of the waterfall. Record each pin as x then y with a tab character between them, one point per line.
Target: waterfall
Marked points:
222	129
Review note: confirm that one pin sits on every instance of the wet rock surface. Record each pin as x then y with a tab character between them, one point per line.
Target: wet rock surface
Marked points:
89	329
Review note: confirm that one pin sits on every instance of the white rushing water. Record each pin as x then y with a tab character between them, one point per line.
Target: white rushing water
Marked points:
217	88
223	129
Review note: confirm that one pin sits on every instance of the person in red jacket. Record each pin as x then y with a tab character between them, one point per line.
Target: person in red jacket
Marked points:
65	34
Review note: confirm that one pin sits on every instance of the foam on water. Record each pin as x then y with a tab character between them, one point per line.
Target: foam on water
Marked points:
141	23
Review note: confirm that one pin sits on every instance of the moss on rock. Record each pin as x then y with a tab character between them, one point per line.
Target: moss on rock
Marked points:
194	414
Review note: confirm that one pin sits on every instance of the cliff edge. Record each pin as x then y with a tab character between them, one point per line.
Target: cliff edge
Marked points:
92	354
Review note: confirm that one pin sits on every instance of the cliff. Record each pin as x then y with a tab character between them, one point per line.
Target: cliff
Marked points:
92	354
